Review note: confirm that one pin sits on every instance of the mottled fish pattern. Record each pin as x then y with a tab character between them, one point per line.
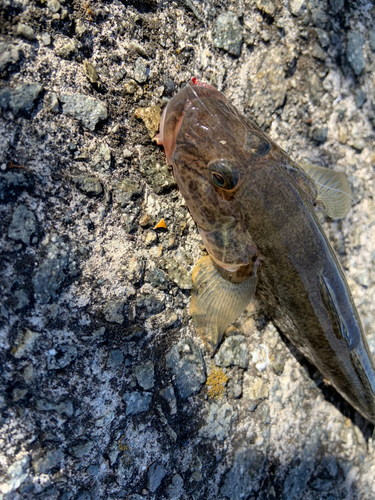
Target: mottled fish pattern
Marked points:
255	209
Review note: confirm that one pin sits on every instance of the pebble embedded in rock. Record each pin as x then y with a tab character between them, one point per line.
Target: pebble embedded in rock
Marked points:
175	490
141	71
155	475
360	98
136	402
227	33
150	117
116	358
20	98
336	6
186	363
127	190
169	395
9	54
267	91
233	351
145	375
113	311
25	31
18	472
50	274
266	6
12	183
371	39
151	238
48	461
89	185
61	356
297	7
354	52
319	134
254	388
21	300
84	108
81	449
90	72
237	485
23	225
65	48
219	421
157	175
54	6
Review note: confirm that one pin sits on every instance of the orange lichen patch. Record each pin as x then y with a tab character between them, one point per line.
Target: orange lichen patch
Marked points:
216	382
151	118
161	224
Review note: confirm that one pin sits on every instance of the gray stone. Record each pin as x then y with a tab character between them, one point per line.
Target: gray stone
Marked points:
18	473
23	225
297	7
155	475
145	375
65	48
169	395
371	39
81	449
227	33
218	421
186	363
141	71
50	274
127	190
25	31
157	175
336	6
63	408
319	17
21	300
267	91
360	98
323	37
136	402
61	357
178	274
54	6
113	311
20	98
244	476
151	304
354	52
116	358
233	351
48	461
266	6
175	489
9	54
25	343
89	185
12	182
84	108
234	386
102	157
319	134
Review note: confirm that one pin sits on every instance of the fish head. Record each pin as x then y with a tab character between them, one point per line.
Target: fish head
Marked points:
213	155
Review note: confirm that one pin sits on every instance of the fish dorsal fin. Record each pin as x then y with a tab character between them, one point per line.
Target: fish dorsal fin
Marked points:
217	302
334	192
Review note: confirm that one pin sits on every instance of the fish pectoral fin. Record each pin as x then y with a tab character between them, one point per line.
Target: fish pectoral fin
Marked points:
217	302
333	189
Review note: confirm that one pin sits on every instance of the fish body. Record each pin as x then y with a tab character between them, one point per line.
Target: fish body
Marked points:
256	212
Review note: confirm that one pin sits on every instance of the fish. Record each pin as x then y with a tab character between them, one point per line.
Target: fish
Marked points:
256	211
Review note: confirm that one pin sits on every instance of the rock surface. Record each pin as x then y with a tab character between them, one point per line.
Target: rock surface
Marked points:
105	389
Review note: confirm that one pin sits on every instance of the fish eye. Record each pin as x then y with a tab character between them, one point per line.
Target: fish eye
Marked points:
224	173
257	144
